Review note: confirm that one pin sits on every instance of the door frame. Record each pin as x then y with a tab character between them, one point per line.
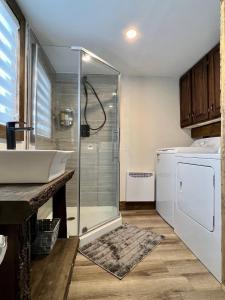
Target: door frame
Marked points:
222	100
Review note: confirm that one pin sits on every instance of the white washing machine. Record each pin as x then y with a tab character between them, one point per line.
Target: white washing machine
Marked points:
197	215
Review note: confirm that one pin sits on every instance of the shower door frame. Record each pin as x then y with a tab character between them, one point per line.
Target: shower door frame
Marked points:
82	50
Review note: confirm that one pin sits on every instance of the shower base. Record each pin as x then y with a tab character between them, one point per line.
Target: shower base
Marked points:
93	219
100	230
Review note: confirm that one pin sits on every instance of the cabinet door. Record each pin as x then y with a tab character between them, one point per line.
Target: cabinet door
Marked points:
214	83
200	92
185	100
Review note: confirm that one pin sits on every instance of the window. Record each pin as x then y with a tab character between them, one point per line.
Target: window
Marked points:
12	64
43	120
9	49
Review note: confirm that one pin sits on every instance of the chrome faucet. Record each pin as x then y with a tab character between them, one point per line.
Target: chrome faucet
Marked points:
11	133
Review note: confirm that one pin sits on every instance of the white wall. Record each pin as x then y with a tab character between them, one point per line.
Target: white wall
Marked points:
149	120
150	116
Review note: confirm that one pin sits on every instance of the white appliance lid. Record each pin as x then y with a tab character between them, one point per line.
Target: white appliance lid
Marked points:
211	145
206	145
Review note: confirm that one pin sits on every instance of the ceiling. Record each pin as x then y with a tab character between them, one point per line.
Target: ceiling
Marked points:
173	34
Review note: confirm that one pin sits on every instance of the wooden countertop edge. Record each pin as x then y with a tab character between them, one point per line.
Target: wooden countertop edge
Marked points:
51	188
19	211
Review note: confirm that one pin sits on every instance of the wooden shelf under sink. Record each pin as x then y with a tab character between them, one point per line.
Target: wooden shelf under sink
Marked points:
51	275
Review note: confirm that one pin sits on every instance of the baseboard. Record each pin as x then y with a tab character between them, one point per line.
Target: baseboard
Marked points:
124	205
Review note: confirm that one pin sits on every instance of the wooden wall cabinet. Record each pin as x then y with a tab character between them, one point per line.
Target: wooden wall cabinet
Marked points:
214	83
185	100
200	90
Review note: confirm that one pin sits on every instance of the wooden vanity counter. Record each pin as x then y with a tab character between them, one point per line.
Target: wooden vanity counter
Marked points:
18	203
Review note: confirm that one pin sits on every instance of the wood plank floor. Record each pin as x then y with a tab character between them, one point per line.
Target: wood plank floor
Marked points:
169	272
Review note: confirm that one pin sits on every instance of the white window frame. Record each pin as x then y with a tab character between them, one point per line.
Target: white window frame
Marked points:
15	95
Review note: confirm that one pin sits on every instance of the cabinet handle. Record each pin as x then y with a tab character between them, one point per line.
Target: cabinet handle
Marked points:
212	107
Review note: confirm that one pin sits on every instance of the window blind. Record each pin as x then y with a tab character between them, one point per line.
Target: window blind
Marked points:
9	53
43	124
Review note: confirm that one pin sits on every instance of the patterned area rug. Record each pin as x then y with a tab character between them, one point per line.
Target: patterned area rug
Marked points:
121	249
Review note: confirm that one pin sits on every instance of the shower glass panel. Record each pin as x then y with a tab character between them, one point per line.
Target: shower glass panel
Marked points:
74	107
99	143
55	115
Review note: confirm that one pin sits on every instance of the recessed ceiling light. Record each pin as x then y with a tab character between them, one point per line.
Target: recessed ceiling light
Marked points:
86	58
131	33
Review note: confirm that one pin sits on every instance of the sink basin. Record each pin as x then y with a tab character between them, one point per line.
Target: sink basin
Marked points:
32	166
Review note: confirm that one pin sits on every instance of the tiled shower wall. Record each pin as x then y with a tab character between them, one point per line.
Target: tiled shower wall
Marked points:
99	151
66	138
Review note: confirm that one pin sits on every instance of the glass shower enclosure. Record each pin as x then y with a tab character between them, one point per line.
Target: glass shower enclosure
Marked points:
75	106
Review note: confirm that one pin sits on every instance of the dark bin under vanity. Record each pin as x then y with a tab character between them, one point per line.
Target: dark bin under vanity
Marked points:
20	278
45	237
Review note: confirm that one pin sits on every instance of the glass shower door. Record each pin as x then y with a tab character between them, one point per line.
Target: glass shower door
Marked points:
99	143
55	115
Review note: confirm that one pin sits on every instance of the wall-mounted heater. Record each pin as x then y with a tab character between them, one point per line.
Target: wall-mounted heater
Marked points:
140	187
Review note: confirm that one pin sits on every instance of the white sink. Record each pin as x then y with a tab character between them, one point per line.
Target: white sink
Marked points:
32	166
